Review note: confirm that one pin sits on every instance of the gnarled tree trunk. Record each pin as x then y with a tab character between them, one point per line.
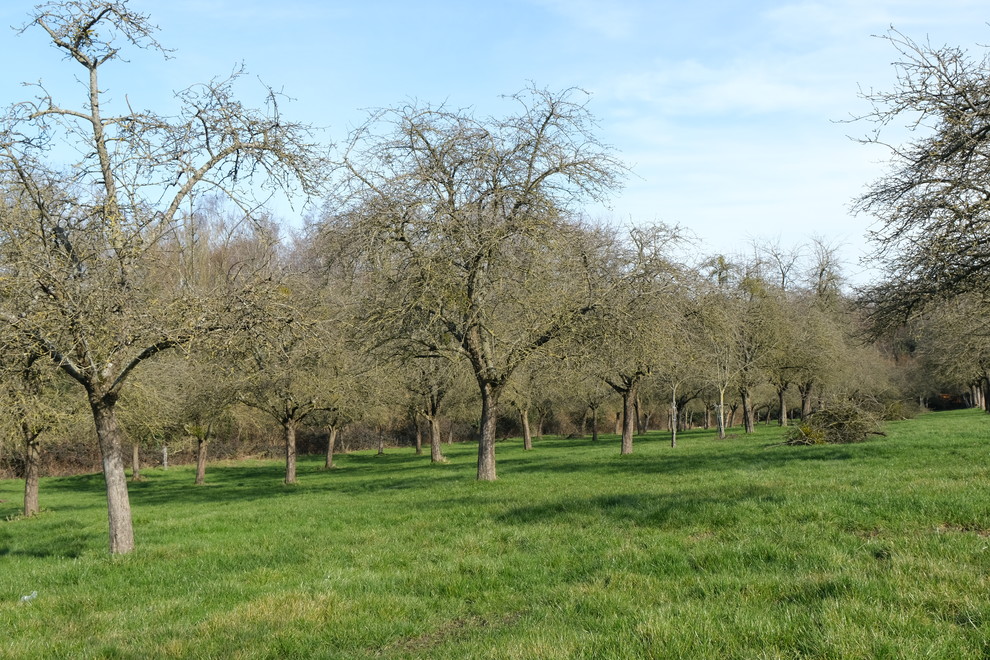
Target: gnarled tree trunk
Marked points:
111	442
490	394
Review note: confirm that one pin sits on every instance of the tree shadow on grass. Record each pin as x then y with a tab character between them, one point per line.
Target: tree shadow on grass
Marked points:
367	474
67	538
357	474
710	507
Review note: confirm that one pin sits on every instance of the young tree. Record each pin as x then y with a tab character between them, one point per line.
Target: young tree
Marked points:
632	329
90	250
35	402
286	361
433	382
715	324
470	247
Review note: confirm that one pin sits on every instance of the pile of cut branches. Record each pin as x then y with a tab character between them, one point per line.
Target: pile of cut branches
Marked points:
841	423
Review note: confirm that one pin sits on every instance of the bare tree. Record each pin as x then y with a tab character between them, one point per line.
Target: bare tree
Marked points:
934	235
91	252
469	241
286	360
630	333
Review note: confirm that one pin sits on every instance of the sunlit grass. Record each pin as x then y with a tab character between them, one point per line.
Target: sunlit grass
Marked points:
732	548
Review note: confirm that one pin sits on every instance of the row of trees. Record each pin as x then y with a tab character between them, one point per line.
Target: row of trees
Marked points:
449	264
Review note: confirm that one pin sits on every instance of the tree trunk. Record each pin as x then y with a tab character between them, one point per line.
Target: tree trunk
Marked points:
781	396
381	443
628	418
720	415
639	416
486	444
419	438
202	444
673	417
527	437
618	423
436	455
594	424
289	428
331	442
748	413
805	390
135	462
110	439
32	471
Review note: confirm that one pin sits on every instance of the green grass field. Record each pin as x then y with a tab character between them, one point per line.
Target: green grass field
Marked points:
716	549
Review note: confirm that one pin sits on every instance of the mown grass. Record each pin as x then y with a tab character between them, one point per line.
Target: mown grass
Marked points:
731	549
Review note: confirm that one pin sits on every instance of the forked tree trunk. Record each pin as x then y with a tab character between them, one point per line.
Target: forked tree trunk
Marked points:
486	444
748	413
110	439
527	436
32	471
135	462
720	414
289	428
331	442
436	455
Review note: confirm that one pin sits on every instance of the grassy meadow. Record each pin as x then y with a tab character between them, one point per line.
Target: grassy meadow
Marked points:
736	548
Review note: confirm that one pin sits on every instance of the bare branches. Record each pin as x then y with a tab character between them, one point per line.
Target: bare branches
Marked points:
89	30
934	203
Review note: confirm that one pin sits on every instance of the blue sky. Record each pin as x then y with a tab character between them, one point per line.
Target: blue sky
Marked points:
727	112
